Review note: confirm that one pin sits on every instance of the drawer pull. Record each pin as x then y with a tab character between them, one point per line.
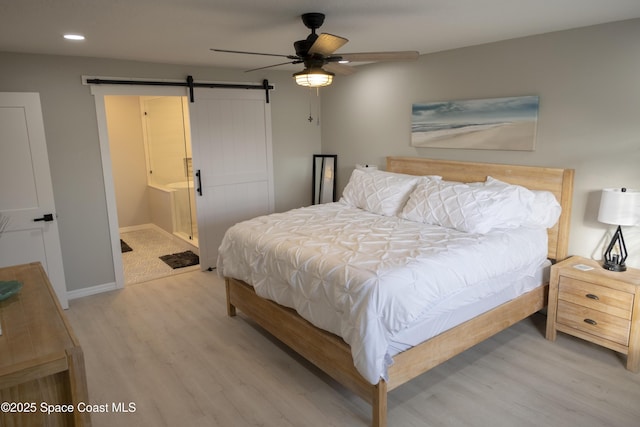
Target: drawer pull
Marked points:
592	296
591	322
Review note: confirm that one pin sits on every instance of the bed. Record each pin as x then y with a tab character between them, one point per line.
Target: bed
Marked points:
358	365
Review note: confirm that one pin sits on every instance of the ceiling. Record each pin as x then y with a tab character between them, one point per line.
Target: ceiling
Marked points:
183	31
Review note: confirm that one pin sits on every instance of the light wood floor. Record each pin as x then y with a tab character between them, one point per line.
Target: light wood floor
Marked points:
168	346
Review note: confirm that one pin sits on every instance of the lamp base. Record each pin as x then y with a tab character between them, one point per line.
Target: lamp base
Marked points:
614	261
611	266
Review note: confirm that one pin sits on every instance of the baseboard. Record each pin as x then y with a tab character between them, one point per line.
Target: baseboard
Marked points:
92	290
139	227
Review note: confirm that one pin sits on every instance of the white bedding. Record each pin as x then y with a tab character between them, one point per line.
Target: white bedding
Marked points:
467	304
367	277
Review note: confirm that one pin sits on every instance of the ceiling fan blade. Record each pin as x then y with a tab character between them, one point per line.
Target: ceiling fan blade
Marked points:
255	53
408	55
274	65
326	44
342	69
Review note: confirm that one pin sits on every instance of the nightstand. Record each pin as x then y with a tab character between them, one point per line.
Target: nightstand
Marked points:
596	305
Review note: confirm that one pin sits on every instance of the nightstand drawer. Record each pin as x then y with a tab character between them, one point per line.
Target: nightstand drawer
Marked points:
615	302
594	322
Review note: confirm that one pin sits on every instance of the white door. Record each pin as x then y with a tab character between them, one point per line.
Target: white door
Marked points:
26	194
231	143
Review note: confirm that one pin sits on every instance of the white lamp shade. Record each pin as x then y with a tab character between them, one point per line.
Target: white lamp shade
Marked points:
619	207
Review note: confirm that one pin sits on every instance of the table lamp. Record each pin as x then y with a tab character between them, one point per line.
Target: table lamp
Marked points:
618	206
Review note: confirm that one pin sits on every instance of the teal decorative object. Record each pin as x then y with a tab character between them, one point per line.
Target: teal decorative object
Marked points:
9	288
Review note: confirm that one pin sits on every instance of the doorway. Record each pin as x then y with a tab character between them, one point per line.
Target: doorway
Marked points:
232	160
150	146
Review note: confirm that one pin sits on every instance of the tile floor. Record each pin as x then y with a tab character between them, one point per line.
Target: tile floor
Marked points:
143	263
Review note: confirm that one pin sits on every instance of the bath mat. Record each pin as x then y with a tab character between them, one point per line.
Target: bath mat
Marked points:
124	247
181	259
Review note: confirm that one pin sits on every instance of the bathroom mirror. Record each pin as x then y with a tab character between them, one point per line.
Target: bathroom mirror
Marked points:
324	178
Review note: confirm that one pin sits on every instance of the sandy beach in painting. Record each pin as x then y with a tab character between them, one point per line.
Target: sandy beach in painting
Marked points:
517	135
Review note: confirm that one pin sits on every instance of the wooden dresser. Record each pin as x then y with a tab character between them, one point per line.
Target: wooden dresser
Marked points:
41	362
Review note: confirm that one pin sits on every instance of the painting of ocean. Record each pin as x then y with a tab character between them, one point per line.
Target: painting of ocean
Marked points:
486	124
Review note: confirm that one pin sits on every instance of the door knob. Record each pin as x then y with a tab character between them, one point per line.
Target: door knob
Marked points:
45	218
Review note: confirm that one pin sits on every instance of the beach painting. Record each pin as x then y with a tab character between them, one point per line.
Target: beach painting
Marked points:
484	124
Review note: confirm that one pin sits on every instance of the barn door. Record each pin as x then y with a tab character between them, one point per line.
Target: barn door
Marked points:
232	161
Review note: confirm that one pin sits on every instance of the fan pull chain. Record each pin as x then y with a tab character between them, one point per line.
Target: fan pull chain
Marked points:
318	104
310	118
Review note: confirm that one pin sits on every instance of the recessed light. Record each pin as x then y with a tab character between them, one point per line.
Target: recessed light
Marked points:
74	37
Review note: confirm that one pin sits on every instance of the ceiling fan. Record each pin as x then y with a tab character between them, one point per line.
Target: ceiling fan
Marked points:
317	54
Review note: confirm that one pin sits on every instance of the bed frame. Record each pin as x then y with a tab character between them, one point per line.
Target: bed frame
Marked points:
331	354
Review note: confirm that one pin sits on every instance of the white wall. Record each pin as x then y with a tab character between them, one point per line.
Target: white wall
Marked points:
588	81
128	160
166	138
69	115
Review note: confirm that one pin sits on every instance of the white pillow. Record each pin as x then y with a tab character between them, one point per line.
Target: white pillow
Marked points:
472	208
384	193
544	207
514	201
545	210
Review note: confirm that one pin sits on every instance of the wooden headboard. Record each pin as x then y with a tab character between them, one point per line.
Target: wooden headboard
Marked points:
557	181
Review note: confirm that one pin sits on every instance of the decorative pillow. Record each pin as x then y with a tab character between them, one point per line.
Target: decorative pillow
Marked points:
384	193
472	208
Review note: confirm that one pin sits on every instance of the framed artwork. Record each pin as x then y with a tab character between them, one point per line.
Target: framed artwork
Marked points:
483	124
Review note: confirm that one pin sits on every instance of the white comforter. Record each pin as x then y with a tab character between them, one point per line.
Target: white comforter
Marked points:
365	276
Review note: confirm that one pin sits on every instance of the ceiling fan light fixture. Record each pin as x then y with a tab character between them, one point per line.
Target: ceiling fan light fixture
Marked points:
313	77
